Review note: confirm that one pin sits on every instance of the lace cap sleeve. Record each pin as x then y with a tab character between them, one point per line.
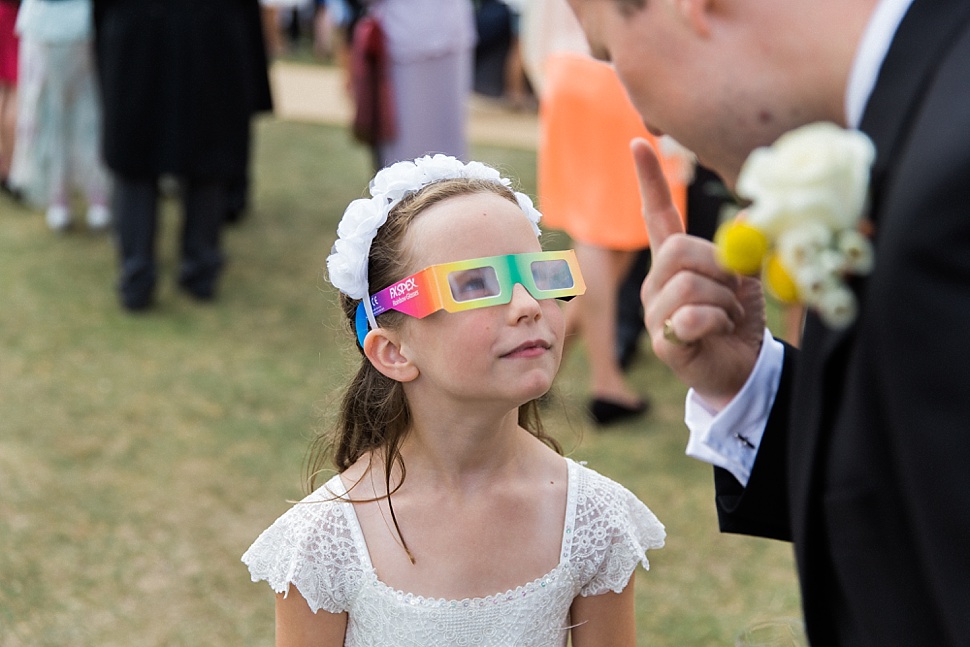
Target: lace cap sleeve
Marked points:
613	531
312	546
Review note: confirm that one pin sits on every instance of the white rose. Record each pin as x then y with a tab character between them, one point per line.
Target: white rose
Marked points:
832	263
837	307
802	243
857	250
813	282
816	172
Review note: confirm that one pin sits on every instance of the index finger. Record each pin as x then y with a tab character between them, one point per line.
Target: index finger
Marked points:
659	212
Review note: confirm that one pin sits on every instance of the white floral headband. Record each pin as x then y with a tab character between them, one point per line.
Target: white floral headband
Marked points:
348	261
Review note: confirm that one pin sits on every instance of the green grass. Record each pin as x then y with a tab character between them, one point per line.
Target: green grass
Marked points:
140	455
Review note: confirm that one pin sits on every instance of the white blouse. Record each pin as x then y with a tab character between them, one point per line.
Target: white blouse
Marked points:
318	545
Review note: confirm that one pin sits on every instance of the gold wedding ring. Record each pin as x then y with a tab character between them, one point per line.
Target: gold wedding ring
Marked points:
671	335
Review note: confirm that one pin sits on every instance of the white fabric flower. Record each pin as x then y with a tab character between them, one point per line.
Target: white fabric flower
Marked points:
525	203
347	265
483	172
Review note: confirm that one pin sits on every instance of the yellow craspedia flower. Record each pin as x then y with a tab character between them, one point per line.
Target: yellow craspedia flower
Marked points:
778	281
740	246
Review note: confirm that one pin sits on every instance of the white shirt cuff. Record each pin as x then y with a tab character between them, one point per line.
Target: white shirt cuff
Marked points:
730	438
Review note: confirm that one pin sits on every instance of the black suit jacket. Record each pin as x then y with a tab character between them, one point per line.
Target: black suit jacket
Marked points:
865	463
180	82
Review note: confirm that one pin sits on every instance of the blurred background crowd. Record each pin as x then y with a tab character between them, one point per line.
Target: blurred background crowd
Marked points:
106	105
173	172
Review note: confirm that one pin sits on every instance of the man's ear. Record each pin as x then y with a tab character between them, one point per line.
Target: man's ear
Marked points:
697	14
383	348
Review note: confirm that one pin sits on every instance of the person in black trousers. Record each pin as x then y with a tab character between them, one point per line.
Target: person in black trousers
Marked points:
180	82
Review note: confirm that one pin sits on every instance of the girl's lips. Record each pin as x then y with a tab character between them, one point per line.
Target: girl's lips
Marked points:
532	348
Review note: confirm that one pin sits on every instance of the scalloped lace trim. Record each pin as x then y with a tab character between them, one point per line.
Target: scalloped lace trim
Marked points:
510	595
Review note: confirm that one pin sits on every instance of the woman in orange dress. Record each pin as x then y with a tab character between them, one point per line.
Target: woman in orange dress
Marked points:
588	188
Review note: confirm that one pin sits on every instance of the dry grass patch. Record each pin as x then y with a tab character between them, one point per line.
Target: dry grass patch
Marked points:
139	456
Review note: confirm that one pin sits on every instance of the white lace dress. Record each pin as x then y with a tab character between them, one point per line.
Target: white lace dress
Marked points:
320	548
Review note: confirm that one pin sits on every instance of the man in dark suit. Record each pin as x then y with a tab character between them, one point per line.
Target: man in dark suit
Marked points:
857	447
180	82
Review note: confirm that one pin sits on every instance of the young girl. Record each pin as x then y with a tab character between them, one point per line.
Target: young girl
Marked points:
454	519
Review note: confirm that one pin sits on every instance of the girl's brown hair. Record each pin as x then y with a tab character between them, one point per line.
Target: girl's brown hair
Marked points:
374	413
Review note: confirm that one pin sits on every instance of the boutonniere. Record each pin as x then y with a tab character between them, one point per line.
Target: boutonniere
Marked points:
805	229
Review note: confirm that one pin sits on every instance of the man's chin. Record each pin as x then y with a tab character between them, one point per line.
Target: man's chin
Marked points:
727	172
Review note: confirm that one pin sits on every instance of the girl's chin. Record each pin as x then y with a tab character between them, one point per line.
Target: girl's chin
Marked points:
537	392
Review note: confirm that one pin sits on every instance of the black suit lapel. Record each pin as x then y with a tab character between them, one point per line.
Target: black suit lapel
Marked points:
926	32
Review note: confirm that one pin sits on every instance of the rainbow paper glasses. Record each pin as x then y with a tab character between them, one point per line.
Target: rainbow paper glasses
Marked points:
477	283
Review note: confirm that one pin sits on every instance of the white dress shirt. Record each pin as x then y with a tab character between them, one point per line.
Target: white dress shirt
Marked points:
730	438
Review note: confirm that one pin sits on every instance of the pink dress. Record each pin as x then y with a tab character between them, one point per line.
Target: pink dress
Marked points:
8	43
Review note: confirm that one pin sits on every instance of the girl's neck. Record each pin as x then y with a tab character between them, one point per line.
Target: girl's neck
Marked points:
462	451
459	452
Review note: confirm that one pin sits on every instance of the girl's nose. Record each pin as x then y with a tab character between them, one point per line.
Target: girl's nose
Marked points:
523	304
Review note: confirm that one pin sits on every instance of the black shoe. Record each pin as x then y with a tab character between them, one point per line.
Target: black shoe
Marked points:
136	287
607	412
199	277
234	216
137	304
204	292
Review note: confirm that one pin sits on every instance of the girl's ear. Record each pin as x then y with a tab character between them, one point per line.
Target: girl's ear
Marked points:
383	348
